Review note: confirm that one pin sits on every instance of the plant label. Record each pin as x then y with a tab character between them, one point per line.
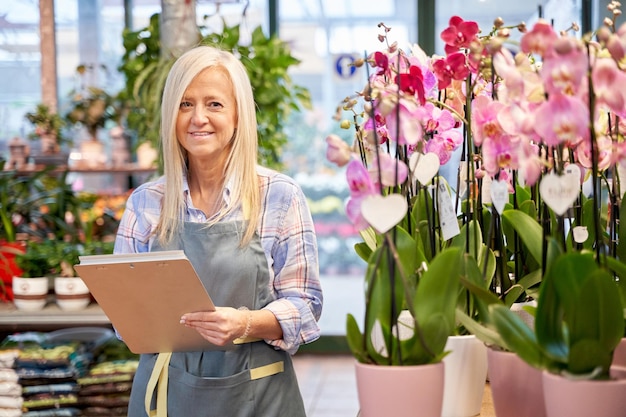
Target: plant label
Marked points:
447	215
499	191
560	192
424	166
384	212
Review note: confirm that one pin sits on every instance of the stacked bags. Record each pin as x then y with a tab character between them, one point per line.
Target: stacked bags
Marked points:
105	391
48	375
10	389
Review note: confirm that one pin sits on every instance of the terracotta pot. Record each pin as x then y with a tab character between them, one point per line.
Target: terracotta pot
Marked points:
583	398
71	293
30	294
516	387
400	391
465	376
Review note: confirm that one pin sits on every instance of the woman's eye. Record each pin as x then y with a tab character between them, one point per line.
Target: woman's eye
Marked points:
214	104
185	105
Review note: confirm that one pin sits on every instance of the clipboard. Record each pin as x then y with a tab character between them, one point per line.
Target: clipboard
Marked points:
145	294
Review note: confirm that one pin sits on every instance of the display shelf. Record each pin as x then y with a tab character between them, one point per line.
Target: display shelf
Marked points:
50	317
127	169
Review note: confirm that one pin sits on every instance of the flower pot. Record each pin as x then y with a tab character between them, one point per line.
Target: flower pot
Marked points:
583	398
400	391
147	155
71	293
30	294
516	387
465	376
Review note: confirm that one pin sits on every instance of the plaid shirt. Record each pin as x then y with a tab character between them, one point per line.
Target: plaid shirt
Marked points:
287	235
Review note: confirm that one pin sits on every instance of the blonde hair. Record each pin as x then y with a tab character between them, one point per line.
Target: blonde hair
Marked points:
240	169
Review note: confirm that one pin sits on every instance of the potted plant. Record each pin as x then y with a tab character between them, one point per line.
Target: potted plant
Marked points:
406	214
554	133
30	288
48	129
71	292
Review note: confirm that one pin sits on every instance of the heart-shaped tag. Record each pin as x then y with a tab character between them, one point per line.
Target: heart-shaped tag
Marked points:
424	166
560	192
383	213
580	233
499	191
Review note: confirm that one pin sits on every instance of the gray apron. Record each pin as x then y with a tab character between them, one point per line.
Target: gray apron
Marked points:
253	379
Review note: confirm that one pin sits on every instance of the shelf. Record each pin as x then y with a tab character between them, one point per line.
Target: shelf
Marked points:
130	169
51	316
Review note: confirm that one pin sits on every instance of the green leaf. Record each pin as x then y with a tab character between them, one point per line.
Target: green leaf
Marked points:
517	336
354	338
528	229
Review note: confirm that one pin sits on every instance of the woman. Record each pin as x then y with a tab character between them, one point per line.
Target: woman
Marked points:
249	234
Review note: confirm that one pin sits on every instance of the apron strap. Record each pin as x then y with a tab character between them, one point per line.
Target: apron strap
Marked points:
158	381
267	370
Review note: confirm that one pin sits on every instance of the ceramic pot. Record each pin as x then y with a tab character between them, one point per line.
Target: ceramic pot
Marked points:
465	376
30	294
71	293
583	398
516	387
400	391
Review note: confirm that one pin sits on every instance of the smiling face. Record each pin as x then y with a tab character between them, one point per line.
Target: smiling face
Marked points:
207	116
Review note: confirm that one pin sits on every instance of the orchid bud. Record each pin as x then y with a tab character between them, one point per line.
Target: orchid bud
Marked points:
345	124
338	151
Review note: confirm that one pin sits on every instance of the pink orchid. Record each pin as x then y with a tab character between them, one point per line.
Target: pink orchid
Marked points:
539	39
338	151
392	171
485	122
604	148
499	152
440	125
409	130
565	71
453	67
460	34
530	163
359	181
562	119
606	76
353	212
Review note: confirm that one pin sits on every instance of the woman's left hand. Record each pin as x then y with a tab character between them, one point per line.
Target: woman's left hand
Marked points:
219	327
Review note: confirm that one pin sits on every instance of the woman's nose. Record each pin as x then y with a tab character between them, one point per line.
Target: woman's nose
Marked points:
199	116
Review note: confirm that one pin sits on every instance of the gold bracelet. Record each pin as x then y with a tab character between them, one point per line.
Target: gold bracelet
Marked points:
248	323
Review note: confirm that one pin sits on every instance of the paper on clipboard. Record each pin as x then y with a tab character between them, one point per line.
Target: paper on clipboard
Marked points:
145	294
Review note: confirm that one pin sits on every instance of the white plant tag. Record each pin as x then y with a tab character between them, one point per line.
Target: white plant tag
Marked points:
378	339
383	213
424	166
580	233
406	326
462	178
560	192
499	194
447	215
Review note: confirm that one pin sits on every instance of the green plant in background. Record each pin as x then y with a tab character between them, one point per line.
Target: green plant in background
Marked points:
47	122
39	259
267	60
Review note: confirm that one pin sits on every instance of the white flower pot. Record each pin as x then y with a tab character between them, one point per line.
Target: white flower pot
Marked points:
30	294
71	293
465	376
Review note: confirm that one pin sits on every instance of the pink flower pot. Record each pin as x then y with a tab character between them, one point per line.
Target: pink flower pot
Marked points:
516	387
583	398
400	391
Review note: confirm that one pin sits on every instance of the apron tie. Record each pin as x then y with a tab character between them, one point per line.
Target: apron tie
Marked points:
158	382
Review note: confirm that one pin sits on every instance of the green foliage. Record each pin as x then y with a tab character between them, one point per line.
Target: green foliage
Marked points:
46	122
578	322
267	60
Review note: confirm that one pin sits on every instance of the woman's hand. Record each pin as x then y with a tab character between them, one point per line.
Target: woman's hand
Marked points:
226	324
219	327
